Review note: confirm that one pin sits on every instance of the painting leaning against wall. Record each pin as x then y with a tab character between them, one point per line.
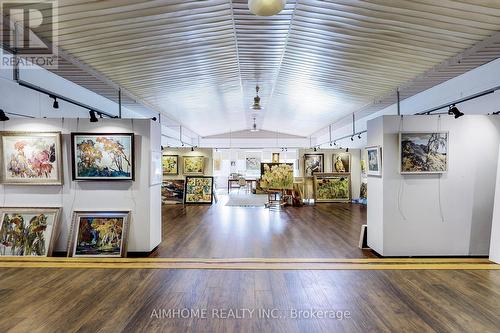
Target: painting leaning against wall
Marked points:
28	231
31	158
199	190
103	156
332	187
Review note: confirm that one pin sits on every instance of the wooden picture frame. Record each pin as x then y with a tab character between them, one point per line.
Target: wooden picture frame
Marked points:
190	169
36	167
99	170
323	177
197	191
167	171
321	167
345	158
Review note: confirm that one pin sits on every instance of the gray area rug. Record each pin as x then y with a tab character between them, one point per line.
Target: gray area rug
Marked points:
247	200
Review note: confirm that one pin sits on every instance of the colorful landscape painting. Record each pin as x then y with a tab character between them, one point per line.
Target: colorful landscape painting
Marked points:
99	234
313	163
342	162
374	161
103	156
31	158
172	191
276	176
332	187
199	190
423	153
27	231
194	165
170	164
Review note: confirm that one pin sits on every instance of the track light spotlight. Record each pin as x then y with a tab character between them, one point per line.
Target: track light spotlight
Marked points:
93	118
3	116
454	111
315	149
100	115
162	148
347	150
55	105
359	136
192	148
153	119
335	143
352	138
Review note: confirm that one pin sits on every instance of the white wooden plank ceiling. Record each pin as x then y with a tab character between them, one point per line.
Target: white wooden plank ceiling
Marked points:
317	61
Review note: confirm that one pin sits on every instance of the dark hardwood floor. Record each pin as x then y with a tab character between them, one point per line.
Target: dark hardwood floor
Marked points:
121	300
218	231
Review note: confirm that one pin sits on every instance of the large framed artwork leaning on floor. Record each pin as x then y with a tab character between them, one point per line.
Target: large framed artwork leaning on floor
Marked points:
102	156
199	190
99	234
332	187
28	232
31	158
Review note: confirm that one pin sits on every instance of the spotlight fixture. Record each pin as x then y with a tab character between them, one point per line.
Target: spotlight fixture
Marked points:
315	149
331	144
153	119
55	105
335	143
359	136
3	116
254	126
454	111
352	138
192	148
93	118
100	115
256	101
347	150
266	7
162	148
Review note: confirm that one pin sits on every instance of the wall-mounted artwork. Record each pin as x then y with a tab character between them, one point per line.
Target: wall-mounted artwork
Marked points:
172	191
276	158
170	164
28	231
374	161
341	162
31	158
194	165
253	163
423	153
332	187
313	163
276	176
217	164
99	234
199	190
102	156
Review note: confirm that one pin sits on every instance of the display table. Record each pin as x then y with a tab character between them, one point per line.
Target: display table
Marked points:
231	181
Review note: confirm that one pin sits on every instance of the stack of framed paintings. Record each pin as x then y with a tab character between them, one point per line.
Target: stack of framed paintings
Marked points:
423	152
194	165
341	162
313	163
374	156
276	176
31	158
102	156
332	187
172	191
101	234
28	232
199	190
170	165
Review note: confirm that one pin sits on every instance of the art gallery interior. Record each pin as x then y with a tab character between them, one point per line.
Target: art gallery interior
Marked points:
241	166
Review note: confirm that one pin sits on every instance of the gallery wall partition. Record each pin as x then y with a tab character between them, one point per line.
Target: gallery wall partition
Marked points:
435	193
495	227
117	178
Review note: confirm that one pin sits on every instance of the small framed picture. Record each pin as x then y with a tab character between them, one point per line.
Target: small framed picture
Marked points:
374	161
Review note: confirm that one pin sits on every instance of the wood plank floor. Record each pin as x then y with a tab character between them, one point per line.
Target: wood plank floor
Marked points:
217	231
121	300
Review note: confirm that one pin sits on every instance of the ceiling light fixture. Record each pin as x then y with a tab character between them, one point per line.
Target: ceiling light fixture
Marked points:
3	116
55	105
454	111
254	126
359	136
256	101
93	118
266	7
347	150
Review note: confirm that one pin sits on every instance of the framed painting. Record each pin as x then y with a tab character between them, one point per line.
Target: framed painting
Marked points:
102	156
313	163
253	164
170	164
194	165
276	176
31	158
341	162
199	190
276	158
332	187
28	232
99	234
374	161
172	191
423	152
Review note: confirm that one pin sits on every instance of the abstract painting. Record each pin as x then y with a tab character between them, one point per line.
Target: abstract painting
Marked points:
342	162
313	163
194	165
374	161
276	158
99	234
199	190
423	153
170	164
31	158
28	232
103	156
332	187
172	191
253	163
276	176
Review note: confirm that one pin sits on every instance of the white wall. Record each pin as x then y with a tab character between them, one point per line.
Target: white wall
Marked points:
206	153
139	196
495	228
410	222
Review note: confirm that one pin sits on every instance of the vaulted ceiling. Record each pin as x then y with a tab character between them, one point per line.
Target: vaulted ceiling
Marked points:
317	61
